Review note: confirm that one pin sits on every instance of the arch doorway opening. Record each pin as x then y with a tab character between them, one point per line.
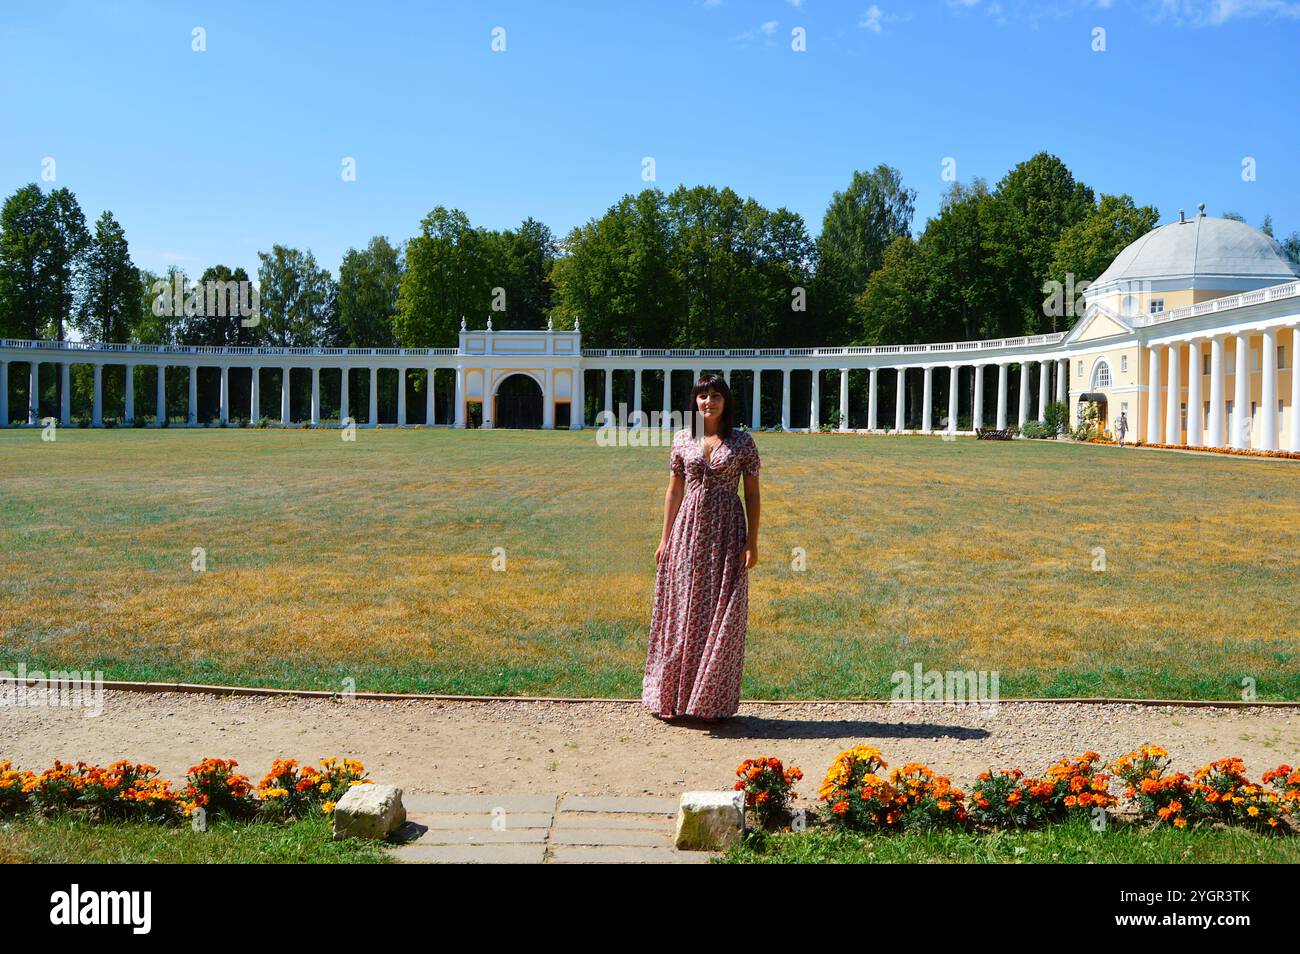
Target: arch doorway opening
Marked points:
518	402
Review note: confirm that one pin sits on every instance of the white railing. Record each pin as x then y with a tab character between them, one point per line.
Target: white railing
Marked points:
1257	297
211	349
940	347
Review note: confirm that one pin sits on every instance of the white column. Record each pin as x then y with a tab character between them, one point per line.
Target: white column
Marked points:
373	419
345	410
4	393
1194	424
756	410
129	414
1240	438
401	397
578	400
548	399
1153	434
1293	442
815	412
900	400
1215	436
160	407
1173	408
636	397
1044	379
726	376
1062	371
284	397
609	397
1024	393
315	396
225	394
844	400
460	397
254	394
1002	397
1268	391
429	408
97	401
65	394
785	399
977	410
34	393
873	403
954	377
489	400
927	398
192	416
666	410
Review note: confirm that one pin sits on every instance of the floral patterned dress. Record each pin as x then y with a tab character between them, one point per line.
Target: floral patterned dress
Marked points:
701	604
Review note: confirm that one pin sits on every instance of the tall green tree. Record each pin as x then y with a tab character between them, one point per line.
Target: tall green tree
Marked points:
299	300
893	306
1086	248
23	250
370	280
216	316
953	255
111	300
67	241
451	269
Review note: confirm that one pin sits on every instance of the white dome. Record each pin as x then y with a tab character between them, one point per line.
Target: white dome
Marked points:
1202	252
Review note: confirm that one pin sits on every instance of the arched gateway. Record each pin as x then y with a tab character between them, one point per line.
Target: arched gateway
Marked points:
1208	346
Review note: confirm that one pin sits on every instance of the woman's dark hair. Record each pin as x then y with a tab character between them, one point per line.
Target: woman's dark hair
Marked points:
716	382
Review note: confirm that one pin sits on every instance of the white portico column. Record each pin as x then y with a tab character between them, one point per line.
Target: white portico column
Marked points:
1268	392
4	393
1024	393
844	399
900	400
254	394
428	398
577	400
225	394
65	394
1153	435
460	397
315	396
954	376
1062	369
1194	393
344	409
129	414
927	397
284	397
548	399
785	399
97	400
1215	436
609	397
815	411
373	419
872	412
1002	397
33	392
1044	379
192	416
1293	441
726	376
160	408
756	409
977	408
1240	436
401	397
1173	409
665	420
636	397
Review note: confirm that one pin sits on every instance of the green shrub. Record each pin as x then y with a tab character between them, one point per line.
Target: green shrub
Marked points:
1057	417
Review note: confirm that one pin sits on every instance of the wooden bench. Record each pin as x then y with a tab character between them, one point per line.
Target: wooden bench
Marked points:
994	434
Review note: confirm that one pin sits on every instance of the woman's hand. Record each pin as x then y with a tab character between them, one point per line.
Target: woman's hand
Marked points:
659	552
751	555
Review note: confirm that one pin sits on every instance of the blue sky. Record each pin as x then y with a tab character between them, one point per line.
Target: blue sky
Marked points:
211	156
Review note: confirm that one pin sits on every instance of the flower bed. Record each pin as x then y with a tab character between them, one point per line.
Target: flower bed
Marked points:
133	791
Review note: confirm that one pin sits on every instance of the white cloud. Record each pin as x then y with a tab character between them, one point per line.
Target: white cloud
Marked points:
1218	12
871	19
768	27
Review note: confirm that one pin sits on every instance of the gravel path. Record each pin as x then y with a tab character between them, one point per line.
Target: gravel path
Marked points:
618	748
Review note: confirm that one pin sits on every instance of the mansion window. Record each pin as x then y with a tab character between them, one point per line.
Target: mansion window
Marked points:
1123	362
1157	305
1205	361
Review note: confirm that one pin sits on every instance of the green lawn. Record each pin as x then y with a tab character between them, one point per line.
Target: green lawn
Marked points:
374	561
1071	843
66	840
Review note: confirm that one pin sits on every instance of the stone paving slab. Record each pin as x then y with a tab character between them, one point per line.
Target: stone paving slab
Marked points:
624	855
477	804
452	836
607	837
661	805
482	822
472	854
589	820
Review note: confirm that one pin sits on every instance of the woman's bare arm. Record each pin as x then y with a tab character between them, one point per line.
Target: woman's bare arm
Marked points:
751	518
672	503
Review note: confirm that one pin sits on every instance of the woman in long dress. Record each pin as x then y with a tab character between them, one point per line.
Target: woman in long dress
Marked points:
708	546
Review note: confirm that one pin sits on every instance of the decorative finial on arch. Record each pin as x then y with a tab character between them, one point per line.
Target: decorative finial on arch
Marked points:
575	325
550	325
489	327
462	323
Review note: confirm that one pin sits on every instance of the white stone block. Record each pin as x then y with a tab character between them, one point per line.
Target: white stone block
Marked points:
709	821
369	811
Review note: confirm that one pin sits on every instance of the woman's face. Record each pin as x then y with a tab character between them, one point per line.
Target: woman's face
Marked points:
709	404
